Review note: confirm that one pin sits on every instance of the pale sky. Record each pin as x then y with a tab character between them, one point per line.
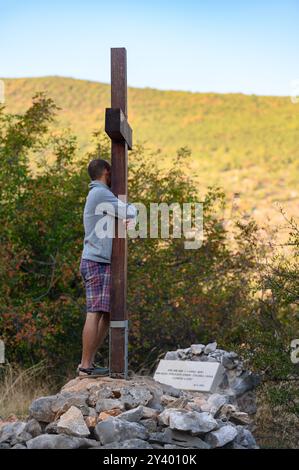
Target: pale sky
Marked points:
196	45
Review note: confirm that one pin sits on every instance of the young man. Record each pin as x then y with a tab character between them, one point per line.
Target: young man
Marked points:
101	209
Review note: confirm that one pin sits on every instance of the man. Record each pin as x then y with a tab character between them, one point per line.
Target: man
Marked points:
102	207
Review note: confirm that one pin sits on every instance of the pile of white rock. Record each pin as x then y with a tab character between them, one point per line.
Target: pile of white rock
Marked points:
141	413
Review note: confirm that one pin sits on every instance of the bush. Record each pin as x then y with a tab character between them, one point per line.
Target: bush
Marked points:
175	296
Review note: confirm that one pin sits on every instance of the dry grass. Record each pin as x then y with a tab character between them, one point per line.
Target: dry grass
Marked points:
275	427
19	386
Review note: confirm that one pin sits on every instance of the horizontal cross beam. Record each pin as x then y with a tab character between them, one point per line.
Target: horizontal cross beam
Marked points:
117	126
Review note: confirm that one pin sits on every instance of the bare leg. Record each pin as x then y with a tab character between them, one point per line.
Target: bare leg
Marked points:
103	328
89	338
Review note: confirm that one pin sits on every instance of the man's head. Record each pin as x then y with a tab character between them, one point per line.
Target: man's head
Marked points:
100	170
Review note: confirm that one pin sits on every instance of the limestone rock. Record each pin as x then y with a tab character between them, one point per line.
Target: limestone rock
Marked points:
72	423
247	403
192	421
10	432
163	418
99	393
211	347
21	438
229	360
33	427
162	437
41	409
65	400
170	390
107	414
184	439
246	382
60	441
178	403
117	430
135	396
51	428
239	417
197	349
171	356
129	444
143	413
4	445
150	424
167	400
109	404
222	436
216	401
133	415
245	438
91	422
149	412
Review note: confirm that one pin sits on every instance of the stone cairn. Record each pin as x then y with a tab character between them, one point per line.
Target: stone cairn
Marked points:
141	413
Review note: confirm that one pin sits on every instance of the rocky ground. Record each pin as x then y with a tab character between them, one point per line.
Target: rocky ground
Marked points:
141	413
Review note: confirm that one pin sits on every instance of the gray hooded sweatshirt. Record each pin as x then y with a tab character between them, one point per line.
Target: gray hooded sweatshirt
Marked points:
101	209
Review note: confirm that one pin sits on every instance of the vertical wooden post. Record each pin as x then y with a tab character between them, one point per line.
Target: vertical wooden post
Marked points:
118	342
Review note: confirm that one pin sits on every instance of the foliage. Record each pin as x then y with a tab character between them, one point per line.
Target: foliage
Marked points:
227	289
247	142
175	296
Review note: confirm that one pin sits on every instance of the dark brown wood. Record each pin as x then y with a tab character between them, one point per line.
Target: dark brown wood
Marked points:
118	347
117	126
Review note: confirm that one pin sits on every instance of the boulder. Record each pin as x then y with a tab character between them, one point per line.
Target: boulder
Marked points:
150	424
222	436
107	414
245	438
140	412
247	403
134	396
211	347
104	404
117	430
149	412
11	431
66	400
133	415
41	409
72	423
60	441
197	349
33	427
51	428
91	422
161	437
191	421
245	382
184	439
129	444
216	401
171	356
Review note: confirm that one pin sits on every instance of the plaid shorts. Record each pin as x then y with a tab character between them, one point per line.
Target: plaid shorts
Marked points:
97	281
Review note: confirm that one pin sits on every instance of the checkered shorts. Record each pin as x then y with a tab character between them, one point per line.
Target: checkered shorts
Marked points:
97	281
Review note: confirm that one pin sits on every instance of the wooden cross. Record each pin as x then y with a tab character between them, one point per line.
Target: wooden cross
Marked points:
118	129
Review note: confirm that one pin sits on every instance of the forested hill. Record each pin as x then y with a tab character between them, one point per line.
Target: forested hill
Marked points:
246	143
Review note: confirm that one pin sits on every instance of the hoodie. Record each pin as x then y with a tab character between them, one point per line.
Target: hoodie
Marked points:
101	209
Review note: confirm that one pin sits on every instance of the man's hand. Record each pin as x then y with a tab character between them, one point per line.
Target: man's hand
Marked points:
129	223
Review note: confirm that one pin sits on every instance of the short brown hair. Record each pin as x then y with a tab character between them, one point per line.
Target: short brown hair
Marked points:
96	168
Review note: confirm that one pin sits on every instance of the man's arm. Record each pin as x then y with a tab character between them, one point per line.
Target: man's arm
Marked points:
115	207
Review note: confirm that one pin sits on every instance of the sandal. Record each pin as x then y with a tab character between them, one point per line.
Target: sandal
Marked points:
92	372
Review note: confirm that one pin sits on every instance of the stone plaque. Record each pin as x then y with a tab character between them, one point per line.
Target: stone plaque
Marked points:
190	375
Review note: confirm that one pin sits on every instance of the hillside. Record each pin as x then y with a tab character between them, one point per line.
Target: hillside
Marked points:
247	144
